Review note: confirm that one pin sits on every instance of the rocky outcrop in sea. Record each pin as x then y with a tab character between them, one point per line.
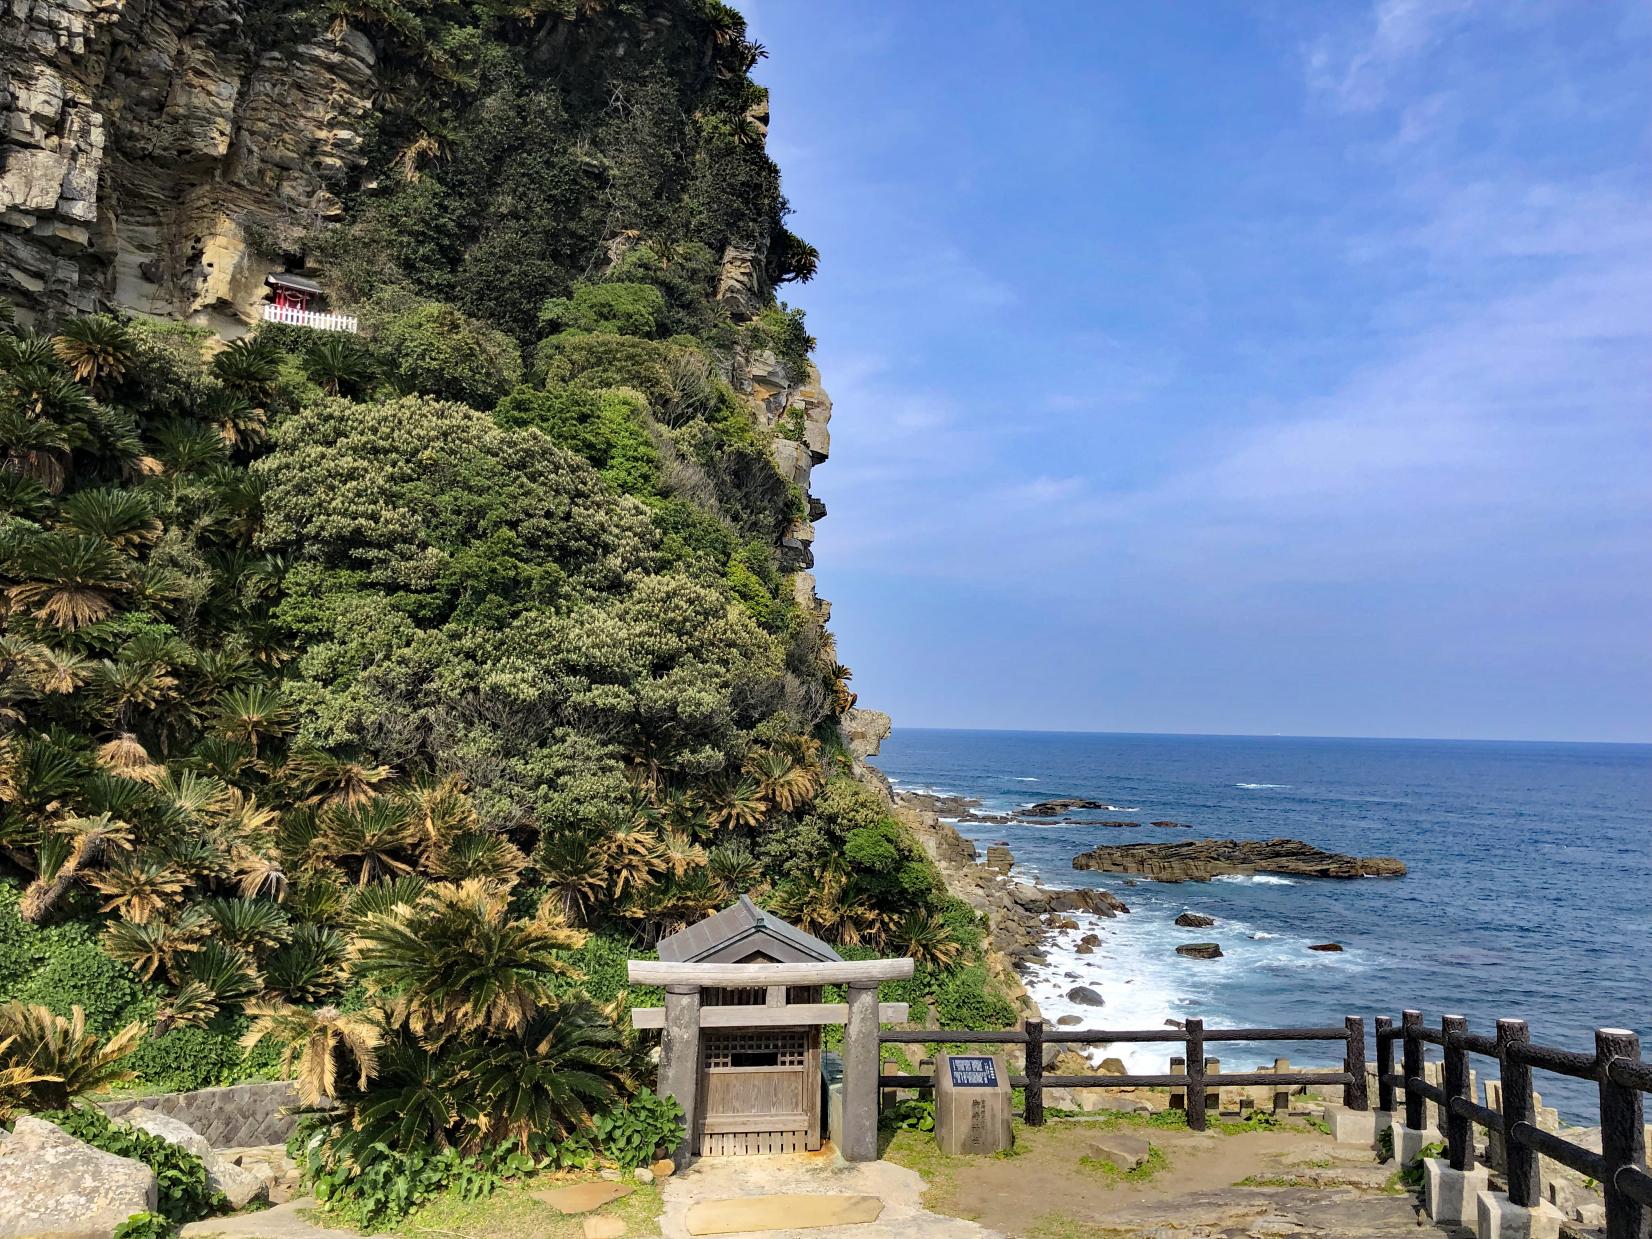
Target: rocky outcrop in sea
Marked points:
1199	860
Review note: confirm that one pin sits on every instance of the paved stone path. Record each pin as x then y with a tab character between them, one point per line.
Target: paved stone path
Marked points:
278	1222
901	1190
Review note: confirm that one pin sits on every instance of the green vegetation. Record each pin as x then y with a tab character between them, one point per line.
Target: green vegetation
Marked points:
368	700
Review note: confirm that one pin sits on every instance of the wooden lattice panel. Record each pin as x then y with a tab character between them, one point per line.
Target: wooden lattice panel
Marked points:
751	1143
790	1047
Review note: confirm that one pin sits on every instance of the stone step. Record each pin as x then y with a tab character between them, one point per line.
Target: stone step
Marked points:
780	1212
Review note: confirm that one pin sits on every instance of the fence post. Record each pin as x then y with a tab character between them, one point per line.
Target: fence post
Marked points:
1354	1095
1622	1136
1410	1023
1178	1096
1195	1029
1525	1187
1459	1131
1281	1092
1385	1064
1035	1073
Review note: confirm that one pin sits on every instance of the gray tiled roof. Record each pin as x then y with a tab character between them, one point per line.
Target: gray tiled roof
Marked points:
743	929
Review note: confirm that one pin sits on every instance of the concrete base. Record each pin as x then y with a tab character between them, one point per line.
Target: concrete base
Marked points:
1500	1218
1451	1195
1409	1145
1355	1126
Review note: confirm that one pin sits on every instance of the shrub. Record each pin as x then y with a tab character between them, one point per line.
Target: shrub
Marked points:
965	999
622	308
632	1131
145	1225
429	348
187	1058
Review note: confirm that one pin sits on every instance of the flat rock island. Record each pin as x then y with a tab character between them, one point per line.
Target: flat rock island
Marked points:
1199	860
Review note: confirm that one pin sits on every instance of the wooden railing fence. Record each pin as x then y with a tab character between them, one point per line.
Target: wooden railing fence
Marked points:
1616	1068
1193	1036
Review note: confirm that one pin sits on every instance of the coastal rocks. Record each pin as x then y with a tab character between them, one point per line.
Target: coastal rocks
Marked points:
1168	825
1085	996
1326	946
999	858
864	731
1055	808
1195	920
1200	950
1069	1021
1203	859
1087	899
52	1184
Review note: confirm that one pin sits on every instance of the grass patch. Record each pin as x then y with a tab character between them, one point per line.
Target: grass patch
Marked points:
513	1213
1155	1162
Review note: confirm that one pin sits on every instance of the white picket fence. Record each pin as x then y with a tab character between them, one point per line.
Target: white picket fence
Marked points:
308	318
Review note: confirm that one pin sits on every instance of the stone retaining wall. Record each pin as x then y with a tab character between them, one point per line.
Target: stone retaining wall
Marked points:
229	1118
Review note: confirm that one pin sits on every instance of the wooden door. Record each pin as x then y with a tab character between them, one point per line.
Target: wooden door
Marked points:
756	1094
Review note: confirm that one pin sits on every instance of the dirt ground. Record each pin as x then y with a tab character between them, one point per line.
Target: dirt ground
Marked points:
1240	1180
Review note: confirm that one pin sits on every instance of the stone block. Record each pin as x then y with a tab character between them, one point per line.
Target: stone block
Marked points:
1409	1145
972	1104
1451	1195
583	1197
602	1226
780	1212
1124	1149
1497	1217
1353	1126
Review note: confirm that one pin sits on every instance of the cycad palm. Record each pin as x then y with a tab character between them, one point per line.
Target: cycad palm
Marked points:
123	518
928	939
736	804
781	781
457	962
371	841
66	580
71	1060
252	715
97	349
573	864
315	1041
138	887
338	365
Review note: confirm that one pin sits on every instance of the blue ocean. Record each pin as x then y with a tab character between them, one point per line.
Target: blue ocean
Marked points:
1529	891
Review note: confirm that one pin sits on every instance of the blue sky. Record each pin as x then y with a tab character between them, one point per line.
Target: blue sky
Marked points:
1220	367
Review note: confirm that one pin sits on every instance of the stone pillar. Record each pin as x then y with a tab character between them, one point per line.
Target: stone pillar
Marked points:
860	1074
1281	1092
680	1060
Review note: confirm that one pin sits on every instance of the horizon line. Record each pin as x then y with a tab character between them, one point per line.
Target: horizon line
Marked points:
1277	735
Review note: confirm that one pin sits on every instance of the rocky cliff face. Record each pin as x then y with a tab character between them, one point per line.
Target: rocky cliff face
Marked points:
156	154
153	147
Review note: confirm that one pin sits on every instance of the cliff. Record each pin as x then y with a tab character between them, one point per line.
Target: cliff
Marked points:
148	142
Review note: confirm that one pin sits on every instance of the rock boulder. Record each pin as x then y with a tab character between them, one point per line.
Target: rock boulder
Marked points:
1200	950
52	1185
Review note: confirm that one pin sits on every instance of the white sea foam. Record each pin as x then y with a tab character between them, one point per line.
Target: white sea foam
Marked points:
1025	778
1253	879
1258	786
1258	935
